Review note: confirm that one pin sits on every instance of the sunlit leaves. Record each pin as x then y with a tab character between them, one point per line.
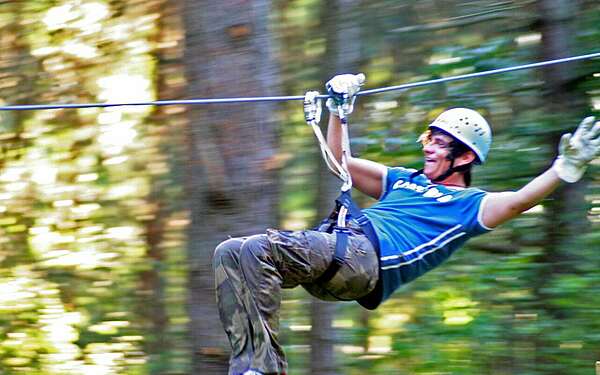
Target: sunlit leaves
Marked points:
75	189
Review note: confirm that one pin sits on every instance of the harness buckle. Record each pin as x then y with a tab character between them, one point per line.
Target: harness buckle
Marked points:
361	220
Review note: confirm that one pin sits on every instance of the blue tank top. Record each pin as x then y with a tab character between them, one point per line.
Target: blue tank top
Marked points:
419	225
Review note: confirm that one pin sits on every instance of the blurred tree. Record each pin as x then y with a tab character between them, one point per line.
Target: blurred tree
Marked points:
341	27
17	70
233	160
566	218
76	178
166	125
565	104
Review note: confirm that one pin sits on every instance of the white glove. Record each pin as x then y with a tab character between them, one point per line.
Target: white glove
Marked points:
343	87
575	152
312	107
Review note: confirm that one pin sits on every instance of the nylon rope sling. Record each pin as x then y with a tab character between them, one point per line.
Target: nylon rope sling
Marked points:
344	203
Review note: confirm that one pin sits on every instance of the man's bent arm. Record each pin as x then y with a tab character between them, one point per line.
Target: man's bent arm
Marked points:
366	175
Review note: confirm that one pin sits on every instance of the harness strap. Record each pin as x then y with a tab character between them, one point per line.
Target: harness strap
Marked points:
341	235
341	244
361	219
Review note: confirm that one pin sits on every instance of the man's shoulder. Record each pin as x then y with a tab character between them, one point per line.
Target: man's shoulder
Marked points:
475	189
470	192
401	172
403	169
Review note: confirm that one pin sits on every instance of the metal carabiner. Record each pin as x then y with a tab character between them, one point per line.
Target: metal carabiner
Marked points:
312	107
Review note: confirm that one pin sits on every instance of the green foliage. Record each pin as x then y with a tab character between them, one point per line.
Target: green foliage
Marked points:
515	300
92	225
77	195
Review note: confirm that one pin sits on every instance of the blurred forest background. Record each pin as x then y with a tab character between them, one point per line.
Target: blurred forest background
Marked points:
109	216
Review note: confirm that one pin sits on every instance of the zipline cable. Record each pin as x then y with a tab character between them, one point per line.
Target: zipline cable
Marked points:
298	97
479	74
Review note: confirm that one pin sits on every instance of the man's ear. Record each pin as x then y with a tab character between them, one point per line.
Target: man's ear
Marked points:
466	158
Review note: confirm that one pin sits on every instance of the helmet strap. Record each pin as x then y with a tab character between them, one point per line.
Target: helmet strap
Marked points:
451	170
446	174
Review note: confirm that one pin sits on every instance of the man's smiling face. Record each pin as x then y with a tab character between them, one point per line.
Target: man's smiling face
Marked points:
436	148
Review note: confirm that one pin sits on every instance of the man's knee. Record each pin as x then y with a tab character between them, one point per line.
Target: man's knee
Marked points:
255	248
227	250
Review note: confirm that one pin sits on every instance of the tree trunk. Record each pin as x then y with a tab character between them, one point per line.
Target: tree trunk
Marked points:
565	215
231	185
166	124
342	56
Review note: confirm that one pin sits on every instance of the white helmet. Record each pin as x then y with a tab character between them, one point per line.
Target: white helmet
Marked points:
467	126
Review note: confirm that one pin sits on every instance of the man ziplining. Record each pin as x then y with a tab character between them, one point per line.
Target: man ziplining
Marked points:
420	219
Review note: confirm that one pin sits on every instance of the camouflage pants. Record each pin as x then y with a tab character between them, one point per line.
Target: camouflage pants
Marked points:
249	275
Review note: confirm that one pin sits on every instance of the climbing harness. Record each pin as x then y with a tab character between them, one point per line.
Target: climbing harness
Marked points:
345	208
296	97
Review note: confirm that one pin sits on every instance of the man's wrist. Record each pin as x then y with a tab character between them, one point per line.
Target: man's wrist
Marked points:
567	170
332	107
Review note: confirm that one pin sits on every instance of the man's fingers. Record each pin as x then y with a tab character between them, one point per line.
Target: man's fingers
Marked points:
333	86
584	126
360	77
345	83
564	143
595	132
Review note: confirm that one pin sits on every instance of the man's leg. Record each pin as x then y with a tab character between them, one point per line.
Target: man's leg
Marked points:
250	274
232	297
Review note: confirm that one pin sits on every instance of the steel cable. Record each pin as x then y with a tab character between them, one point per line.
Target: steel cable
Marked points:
299	97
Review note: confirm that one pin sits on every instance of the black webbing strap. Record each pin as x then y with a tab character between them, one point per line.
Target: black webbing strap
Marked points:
341	236
341	244
346	199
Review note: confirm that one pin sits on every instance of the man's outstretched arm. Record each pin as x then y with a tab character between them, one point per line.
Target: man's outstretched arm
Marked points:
575	152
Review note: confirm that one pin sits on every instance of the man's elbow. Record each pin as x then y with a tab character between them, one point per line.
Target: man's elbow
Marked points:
504	207
520	205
